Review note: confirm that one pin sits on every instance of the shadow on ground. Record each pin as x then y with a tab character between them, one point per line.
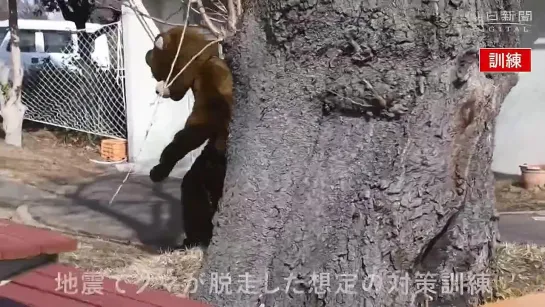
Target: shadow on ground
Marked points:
6	302
143	212
506	177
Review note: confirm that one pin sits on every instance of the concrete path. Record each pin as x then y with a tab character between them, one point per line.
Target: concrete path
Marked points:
13	194
148	213
143	212
522	228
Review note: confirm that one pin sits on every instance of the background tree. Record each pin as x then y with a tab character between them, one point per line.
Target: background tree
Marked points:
12	109
82	11
25	10
361	144
77	11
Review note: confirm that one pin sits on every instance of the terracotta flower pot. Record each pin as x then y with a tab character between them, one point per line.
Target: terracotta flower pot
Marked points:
532	176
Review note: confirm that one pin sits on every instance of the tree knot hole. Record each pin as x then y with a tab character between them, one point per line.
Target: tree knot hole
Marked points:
467	113
464	62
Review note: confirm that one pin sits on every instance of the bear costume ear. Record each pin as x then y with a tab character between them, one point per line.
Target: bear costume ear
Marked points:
159	42
148	57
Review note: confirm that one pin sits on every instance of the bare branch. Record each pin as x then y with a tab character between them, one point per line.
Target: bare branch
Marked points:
142	14
207	20
181	41
239	8
217	20
220	15
208	15
211	18
232	20
212	11
176	12
220	6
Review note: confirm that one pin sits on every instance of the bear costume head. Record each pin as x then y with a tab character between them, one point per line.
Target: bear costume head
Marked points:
160	58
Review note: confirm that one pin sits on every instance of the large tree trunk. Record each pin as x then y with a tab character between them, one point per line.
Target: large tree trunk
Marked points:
319	182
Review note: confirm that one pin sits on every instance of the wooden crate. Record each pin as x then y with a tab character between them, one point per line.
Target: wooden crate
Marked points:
113	149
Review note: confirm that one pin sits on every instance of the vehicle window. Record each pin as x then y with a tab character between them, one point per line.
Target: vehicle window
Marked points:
27	41
58	41
3	32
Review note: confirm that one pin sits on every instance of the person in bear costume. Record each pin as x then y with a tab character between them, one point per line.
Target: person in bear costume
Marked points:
211	82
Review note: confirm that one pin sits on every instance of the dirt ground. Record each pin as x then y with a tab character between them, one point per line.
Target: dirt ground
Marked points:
50	158
511	197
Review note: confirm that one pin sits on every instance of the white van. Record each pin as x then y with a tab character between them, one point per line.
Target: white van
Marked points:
53	39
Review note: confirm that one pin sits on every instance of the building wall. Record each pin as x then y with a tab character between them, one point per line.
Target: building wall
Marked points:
519	136
170	117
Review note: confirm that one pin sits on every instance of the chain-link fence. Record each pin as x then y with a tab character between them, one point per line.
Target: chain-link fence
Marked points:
78	83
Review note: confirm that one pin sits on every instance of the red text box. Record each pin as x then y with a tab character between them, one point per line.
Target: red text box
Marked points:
505	59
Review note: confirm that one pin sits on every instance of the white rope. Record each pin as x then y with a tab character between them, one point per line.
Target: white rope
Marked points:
180	44
192	59
155	102
131	167
146	27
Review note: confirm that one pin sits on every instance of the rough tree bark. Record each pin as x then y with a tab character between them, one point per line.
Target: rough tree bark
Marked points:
13	110
322	179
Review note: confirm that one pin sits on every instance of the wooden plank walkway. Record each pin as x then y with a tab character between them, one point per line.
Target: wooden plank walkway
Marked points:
23	247
30	276
19	241
65	286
